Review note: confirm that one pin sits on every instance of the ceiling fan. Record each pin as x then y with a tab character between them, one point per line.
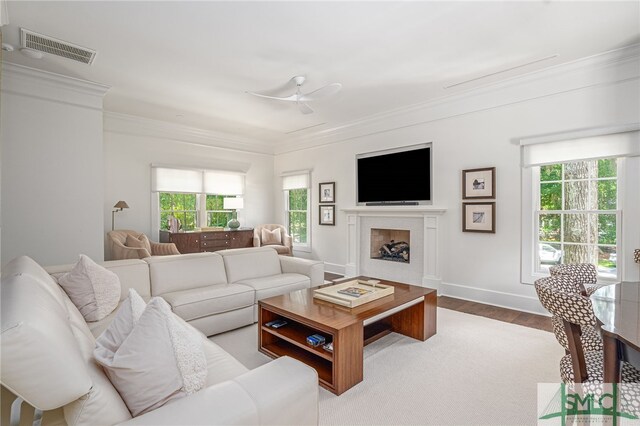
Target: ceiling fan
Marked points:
300	98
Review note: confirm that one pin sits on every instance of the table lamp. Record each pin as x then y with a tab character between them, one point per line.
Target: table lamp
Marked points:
234	204
118	208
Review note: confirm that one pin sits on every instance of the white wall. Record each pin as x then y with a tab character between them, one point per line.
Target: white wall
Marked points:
477	130
128	158
52	166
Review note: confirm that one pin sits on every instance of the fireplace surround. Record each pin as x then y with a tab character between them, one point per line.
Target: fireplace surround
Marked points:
422	222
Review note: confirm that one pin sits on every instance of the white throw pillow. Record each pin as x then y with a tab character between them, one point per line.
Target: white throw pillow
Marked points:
159	360
92	288
271	237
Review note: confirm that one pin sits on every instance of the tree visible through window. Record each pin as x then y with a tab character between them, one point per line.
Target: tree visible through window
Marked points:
577	214
297	214
181	206
216	214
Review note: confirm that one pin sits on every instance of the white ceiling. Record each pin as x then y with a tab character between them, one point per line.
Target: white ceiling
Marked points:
191	62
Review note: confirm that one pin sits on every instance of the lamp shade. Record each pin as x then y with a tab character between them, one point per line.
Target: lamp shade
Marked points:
233	203
121	205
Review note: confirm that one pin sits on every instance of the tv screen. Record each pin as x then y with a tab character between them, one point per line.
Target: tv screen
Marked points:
395	177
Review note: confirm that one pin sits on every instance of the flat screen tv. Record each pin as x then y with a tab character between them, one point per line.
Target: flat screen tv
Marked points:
394	177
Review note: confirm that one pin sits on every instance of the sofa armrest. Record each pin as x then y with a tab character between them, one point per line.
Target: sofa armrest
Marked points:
163	249
282	392
314	269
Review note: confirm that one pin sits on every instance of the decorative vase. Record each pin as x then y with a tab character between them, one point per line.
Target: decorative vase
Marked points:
233	223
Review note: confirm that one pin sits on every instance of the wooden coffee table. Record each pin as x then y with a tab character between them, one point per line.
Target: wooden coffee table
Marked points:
411	311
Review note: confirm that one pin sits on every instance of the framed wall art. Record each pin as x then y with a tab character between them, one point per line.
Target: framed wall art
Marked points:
479	183
479	217
327	215
328	192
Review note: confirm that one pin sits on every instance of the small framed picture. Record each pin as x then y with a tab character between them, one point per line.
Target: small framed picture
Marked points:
328	192
479	183
327	215
479	217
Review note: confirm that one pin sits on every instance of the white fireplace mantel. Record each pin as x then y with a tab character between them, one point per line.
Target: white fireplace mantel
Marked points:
430	219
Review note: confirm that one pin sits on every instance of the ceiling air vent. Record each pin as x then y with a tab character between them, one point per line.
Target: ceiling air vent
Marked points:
54	46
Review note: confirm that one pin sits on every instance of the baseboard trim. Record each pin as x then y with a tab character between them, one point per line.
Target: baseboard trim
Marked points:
494	298
334	268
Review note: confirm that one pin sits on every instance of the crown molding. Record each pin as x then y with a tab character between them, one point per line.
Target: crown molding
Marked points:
116	122
39	84
576	75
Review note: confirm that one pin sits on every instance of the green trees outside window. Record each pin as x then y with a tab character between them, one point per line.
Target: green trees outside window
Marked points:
577	216
186	209
216	214
297	209
180	206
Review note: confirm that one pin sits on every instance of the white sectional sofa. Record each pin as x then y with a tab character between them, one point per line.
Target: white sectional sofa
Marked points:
47	347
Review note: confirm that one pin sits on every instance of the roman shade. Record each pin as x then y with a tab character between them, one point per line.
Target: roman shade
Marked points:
547	150
295	181
196	181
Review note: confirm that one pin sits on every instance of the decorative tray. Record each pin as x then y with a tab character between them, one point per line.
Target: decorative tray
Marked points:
353	293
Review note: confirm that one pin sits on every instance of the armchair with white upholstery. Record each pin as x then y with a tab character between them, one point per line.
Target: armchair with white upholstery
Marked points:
127	244
274	236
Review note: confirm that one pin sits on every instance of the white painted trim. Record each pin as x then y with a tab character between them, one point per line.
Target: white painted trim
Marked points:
577	75
495	298
411	211
52	87
334	268
140	126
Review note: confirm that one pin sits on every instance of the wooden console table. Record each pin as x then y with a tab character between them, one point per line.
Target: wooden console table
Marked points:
201	241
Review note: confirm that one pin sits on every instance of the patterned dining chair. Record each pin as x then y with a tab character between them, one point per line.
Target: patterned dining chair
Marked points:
581	274
590	338
576	312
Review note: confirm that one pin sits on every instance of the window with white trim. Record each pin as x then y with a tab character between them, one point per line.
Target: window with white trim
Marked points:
575	207
194	197
296	208
577	215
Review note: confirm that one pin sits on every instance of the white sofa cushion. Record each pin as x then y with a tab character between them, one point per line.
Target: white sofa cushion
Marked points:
41	360
93	289
214	299
160	360
184	272
220	365
275	285
123	323
249	263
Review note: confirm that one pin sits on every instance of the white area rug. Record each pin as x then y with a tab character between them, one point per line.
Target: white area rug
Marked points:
474	371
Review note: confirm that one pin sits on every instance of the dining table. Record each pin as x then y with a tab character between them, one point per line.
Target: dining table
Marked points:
617	307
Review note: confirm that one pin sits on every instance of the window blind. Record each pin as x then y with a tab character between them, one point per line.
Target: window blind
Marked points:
541	152
176	180
295	181
223	183
168	179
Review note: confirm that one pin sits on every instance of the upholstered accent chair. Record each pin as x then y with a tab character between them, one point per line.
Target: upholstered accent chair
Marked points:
581	366
590	339
275	236
128	244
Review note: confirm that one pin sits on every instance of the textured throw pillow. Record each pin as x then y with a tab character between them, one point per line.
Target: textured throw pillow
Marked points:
140	242
271	237
92	288
159	360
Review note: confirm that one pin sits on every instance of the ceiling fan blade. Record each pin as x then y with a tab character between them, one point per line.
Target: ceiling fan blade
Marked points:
304	108
328	90
293	97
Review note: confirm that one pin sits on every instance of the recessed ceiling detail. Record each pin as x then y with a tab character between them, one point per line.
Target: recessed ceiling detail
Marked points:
54	46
